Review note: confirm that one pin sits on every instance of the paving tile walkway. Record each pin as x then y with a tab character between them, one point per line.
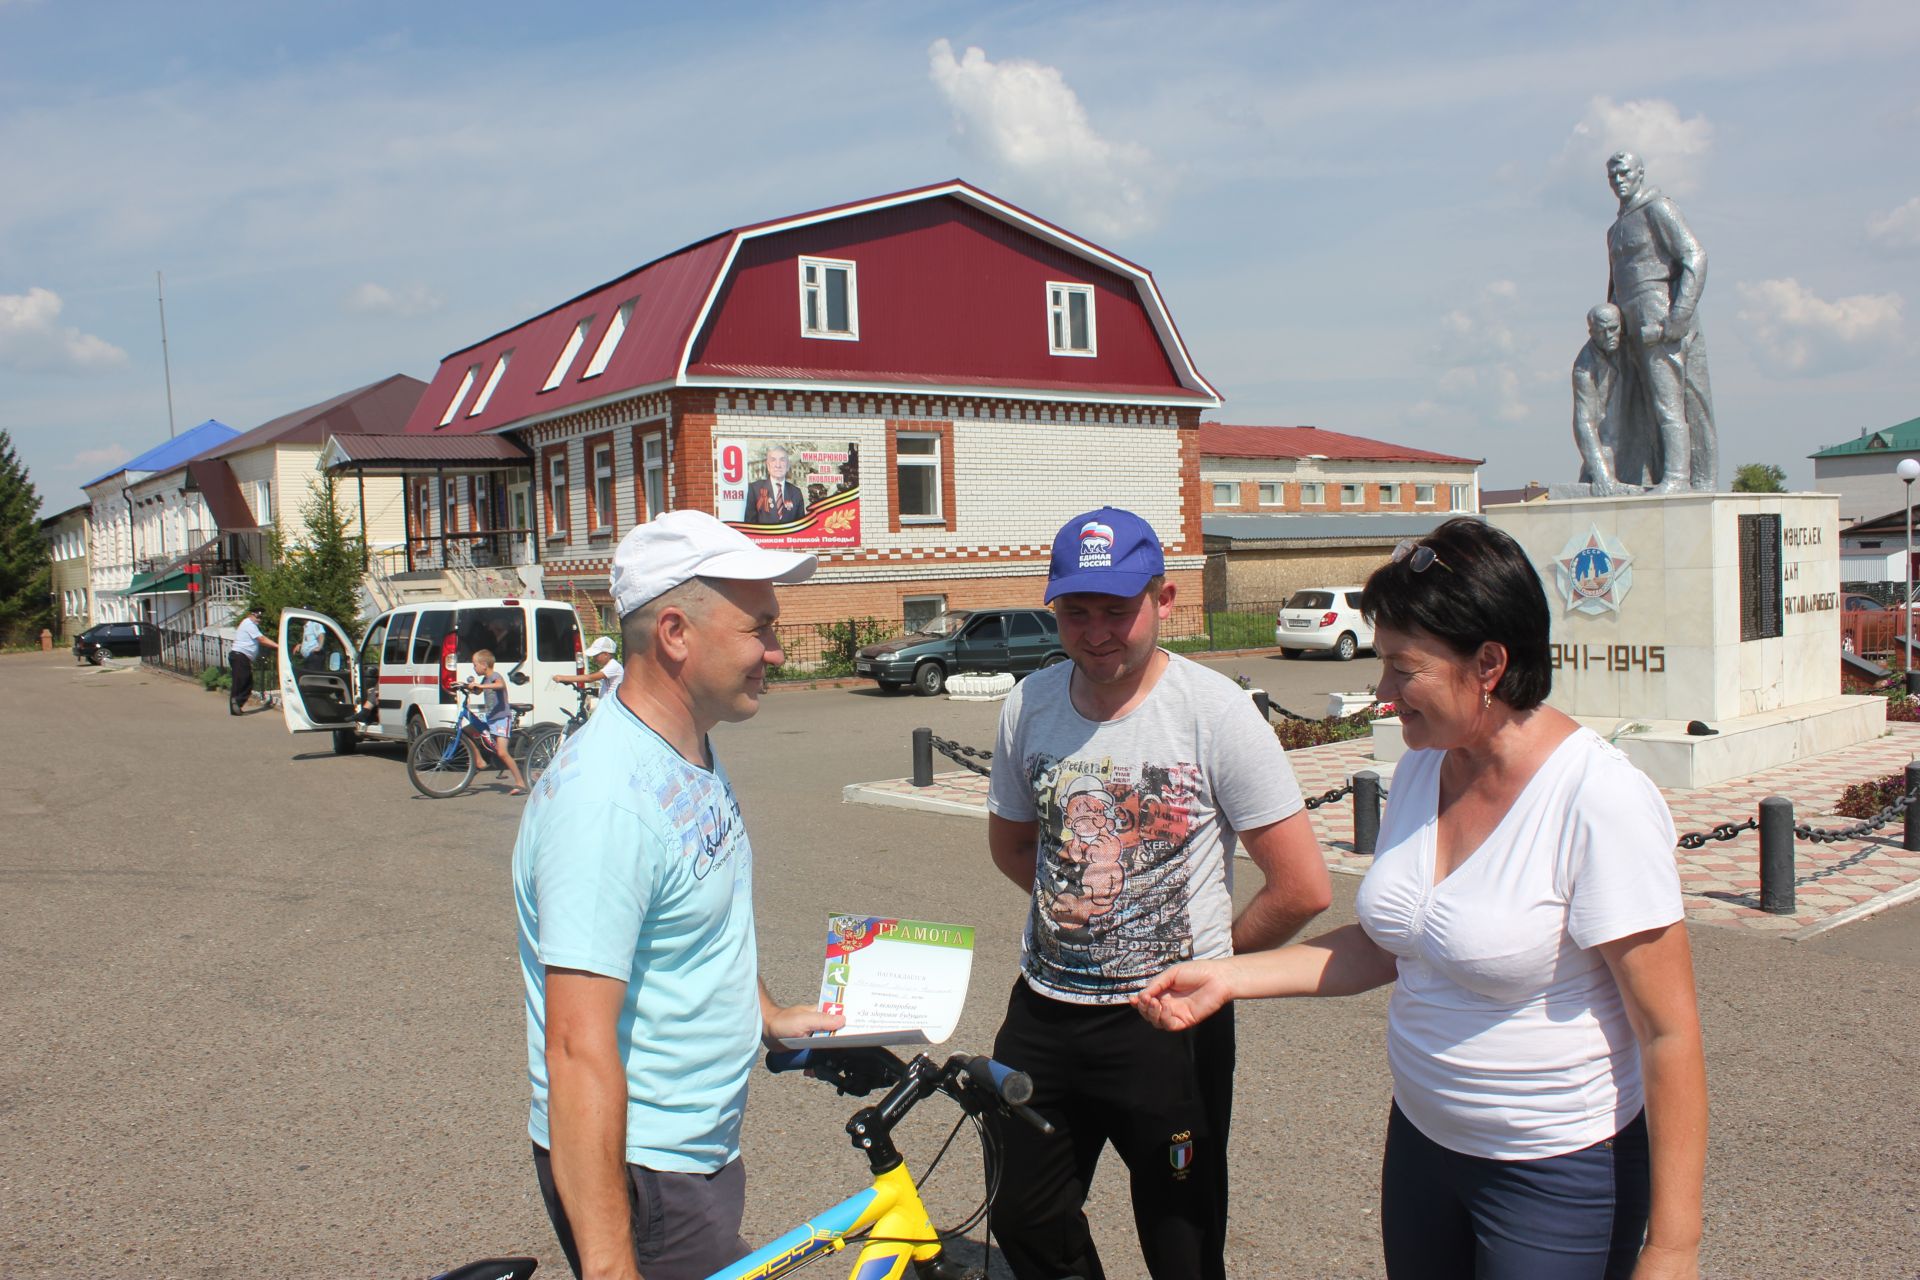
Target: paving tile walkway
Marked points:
1721	880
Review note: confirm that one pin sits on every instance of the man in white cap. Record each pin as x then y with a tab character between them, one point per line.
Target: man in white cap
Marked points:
603	669
633	882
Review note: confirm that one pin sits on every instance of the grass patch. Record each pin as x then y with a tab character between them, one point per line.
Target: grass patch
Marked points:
1227	631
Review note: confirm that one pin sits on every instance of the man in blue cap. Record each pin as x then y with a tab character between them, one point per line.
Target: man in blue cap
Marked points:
1121	784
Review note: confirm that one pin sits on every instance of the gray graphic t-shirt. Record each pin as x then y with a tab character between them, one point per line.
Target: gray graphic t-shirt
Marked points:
1137	819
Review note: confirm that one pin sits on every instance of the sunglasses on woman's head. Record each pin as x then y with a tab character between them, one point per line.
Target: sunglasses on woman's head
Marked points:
1418	556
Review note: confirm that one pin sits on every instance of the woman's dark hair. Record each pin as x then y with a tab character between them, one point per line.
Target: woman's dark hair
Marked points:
1480	587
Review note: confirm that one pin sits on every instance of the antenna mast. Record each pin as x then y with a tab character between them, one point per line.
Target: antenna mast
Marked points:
160	291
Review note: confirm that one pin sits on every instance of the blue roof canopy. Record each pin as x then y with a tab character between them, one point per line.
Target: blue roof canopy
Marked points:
172	453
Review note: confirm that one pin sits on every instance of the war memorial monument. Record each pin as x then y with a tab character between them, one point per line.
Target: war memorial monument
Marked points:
1698	629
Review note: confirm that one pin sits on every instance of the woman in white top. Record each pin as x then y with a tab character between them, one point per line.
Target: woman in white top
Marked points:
1550	1105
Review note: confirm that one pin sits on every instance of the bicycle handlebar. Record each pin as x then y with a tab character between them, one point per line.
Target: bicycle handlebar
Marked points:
971	1080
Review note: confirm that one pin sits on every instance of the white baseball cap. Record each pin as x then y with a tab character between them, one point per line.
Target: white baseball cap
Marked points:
678	546
603	645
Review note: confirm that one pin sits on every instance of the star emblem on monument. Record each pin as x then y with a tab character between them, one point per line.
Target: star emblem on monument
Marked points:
1594	573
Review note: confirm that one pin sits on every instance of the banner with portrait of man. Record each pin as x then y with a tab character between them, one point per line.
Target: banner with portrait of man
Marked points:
789	493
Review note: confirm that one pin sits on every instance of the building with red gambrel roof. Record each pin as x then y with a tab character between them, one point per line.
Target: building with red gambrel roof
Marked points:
920	387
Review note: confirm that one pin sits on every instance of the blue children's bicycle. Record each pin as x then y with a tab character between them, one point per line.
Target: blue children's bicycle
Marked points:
441	762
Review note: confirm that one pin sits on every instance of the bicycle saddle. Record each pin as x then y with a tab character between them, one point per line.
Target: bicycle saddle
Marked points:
522	708
492	1269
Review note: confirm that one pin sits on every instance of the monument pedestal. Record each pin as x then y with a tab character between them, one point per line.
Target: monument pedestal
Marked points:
1722	608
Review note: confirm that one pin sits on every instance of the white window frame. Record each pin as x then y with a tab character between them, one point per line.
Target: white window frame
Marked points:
1226	493
1353	495
1060	319
459	396
852	331
567	353
1390	494
602	511
1459	496
939	603
653	472
493	380
559	513
616	329
263	504
1313	493
930	461
1423	495
450	506
1279	498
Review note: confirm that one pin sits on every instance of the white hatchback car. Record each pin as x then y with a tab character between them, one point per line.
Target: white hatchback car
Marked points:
1322	619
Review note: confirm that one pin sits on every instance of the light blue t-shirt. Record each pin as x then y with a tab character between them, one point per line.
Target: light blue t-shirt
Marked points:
248	641
634	864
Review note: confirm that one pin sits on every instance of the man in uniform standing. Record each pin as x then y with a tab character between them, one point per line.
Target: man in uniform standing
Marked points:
1121	783
1657	273
241	657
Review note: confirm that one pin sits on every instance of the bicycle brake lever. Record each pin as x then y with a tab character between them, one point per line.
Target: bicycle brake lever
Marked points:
1032	1117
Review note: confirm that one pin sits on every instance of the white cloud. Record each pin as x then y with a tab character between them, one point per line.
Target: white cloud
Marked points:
1899	229
93	459
1024	119
32	339
1672	147
378	300
1477	346
1803	333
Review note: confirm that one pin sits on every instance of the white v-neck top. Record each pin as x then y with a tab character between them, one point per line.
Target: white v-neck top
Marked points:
1506	1031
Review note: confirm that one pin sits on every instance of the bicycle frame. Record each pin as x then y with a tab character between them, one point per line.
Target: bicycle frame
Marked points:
891	1208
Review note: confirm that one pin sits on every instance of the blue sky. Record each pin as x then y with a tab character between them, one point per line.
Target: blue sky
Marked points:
1383	219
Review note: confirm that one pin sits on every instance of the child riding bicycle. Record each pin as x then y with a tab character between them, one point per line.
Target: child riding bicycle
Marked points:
496	715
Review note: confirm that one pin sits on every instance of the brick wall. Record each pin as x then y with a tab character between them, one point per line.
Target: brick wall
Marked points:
1268	577
1247	474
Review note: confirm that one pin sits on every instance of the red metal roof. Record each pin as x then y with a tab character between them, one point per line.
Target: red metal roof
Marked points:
377	407
370	451
1219	440
937	267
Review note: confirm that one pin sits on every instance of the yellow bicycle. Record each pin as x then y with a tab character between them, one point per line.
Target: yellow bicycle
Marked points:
888	1219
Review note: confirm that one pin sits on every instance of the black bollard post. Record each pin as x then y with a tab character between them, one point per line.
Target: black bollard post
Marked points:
1366	812
1910	840
1776	856
1263	702
923	757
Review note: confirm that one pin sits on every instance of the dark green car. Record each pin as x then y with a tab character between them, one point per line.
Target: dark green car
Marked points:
1016	641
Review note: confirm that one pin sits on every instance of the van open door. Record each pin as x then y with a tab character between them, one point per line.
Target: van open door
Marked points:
319	686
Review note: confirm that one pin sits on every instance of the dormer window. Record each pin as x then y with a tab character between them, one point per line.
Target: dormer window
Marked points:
567	353
466	385
1070	319
609	340
493	380
829	301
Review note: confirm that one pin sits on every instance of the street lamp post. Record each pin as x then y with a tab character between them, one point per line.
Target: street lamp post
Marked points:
1908	471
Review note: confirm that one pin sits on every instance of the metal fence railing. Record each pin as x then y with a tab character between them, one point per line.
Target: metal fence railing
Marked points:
827	648
187	651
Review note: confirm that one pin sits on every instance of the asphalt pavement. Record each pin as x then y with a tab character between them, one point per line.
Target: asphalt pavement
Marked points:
265	1012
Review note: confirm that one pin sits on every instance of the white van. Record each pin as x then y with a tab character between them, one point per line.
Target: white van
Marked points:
416	657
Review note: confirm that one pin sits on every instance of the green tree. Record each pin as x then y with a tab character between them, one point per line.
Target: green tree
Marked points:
26	561
1759	477
321	572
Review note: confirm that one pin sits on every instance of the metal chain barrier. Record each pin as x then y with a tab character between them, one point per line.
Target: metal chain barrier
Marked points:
965	756
1866	826
1328	797
1724	831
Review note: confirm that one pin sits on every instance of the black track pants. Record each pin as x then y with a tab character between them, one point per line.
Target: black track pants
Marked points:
1163	1099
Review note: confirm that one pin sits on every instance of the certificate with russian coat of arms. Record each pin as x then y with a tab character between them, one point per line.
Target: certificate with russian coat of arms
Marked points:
896	981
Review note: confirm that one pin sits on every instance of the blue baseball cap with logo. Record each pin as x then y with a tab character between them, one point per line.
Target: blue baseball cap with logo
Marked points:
1108	552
